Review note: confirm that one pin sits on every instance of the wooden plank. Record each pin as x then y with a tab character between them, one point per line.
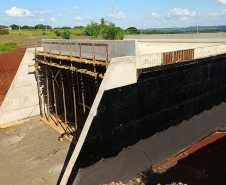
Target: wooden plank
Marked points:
64	100
39	91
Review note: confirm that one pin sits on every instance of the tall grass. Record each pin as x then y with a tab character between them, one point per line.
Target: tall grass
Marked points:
8	46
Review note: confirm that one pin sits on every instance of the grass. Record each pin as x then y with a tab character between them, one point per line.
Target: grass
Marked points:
43	33
8	46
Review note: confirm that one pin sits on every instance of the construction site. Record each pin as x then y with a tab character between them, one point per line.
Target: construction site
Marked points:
88	112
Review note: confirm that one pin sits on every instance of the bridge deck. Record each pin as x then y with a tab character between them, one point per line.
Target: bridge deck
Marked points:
150	47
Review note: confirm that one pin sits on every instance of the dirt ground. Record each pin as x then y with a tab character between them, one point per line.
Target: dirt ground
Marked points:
9	63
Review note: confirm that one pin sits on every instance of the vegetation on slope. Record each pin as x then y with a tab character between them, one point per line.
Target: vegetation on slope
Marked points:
8	46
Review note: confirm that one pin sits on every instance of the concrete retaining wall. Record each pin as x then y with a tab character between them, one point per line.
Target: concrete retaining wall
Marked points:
21	100
180	38
116	48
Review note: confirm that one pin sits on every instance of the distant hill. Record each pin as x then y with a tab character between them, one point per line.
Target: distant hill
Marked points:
191	28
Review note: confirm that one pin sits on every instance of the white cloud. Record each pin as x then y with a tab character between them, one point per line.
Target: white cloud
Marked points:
155	15
18	12
184	19
117	15
78	8
53	19
79	19
59	15
179	12
223	2
88	17
41	20
223	12
71	11
45	12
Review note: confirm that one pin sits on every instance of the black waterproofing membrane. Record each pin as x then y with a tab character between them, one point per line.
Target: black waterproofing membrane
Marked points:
188	97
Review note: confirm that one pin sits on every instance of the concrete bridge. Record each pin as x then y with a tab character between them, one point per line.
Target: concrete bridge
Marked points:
140	100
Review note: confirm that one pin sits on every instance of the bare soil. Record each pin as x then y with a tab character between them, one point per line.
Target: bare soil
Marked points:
9	64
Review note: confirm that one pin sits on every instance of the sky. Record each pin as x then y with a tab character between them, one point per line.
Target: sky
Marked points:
141	14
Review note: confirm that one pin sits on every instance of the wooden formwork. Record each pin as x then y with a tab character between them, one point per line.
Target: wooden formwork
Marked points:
177	56
75	77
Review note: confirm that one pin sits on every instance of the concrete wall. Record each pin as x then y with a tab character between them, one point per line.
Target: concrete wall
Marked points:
21	100
155	59
116	48
180	38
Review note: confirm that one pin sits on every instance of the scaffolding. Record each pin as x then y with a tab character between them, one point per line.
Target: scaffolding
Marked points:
68	83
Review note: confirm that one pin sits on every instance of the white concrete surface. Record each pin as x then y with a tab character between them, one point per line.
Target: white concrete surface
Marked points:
180	38
21	100
149	47
209	51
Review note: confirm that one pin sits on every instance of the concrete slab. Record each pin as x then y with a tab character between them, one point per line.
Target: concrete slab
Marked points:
149	47
31	154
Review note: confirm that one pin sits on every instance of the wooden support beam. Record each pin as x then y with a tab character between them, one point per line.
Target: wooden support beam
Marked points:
47	93
39	91
90	100
74	100
64	101
54	97
86	106
83	94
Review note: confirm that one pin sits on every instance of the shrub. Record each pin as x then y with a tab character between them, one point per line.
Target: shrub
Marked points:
111	32
8	46
57	32
92	29
66	34
4	31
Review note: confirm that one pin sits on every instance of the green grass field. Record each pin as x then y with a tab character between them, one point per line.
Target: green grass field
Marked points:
43	33
8	46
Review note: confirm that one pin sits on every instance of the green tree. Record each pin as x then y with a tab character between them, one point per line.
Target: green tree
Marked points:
133	30
102	22
42	26
14	27
66	34
2	26
25	27
92	29
111	32
66	27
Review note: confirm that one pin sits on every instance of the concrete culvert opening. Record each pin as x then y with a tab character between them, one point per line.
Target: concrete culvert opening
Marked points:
69	76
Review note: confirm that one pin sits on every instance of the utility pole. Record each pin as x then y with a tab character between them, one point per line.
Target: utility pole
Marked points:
19	28
46	28
197	29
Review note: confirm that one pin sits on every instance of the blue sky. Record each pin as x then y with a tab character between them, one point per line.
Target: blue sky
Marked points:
138	13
